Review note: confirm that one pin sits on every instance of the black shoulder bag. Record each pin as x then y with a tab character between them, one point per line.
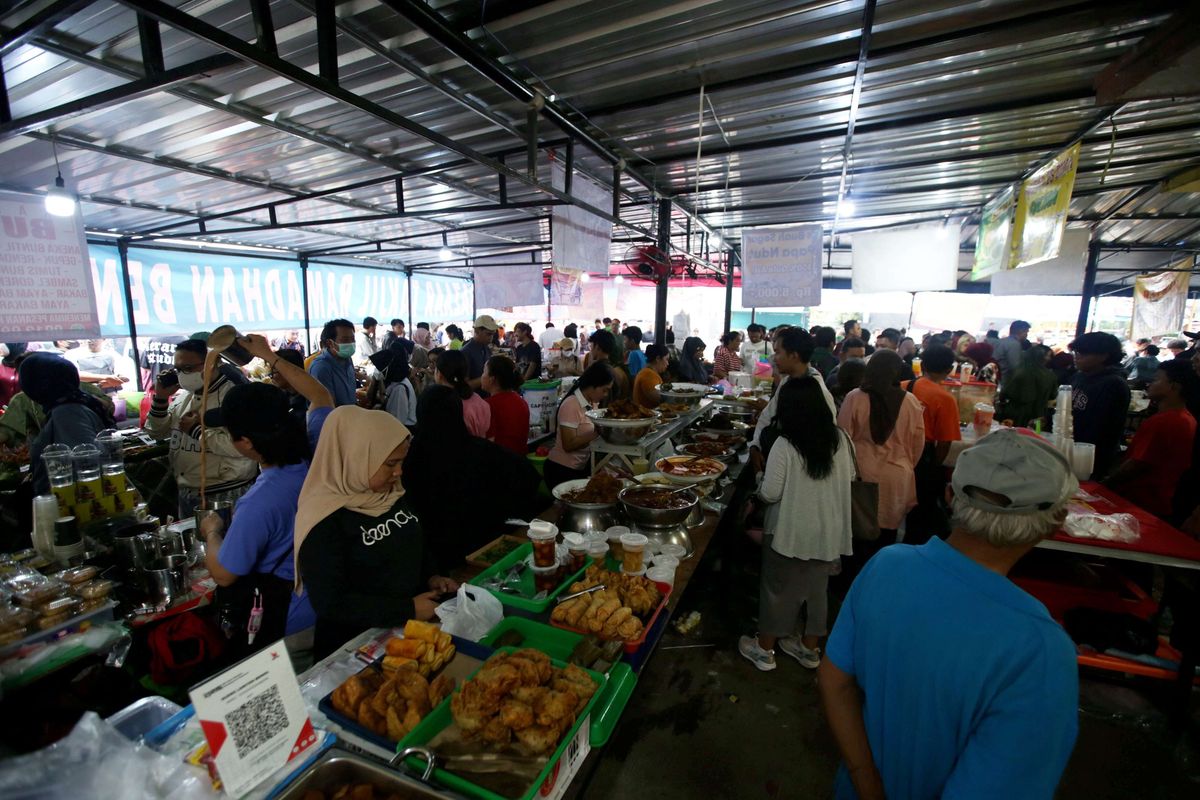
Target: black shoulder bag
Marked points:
237	603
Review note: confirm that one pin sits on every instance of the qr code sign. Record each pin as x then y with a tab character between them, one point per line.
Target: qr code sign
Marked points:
257	721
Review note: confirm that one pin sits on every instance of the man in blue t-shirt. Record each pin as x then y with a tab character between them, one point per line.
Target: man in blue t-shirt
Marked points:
943	679
333	367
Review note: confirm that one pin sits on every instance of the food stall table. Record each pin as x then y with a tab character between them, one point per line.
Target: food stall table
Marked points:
623	455
1159	544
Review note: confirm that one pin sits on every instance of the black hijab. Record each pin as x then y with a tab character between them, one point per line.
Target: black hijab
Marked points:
690	366
15	351
392	362
52	381
882	384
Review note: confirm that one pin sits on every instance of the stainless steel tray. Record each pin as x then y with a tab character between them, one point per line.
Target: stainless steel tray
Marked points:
337	767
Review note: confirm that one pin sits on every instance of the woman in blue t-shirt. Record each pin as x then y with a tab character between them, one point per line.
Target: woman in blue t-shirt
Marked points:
259	541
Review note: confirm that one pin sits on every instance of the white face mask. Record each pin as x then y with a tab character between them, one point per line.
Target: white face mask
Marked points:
191	381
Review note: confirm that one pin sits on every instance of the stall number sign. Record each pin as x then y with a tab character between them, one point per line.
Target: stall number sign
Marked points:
781	266
253	718
46	291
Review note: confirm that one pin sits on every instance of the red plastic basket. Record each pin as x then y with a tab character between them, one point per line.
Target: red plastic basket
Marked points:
632	646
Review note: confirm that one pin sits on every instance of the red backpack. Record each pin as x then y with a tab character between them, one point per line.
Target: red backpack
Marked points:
182	648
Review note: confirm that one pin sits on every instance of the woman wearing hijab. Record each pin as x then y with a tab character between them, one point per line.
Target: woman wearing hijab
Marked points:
1028	392
491	484
887	426
72	417
691	361
360	550
418	359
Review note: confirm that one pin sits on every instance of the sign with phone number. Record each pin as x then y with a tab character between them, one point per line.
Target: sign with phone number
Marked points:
781	266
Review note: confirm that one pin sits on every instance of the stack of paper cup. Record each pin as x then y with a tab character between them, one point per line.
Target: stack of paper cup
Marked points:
1063	422
45	514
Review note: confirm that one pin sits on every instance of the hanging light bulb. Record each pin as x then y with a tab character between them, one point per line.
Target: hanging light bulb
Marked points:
59	202
845	207
446	254
619	279
584	278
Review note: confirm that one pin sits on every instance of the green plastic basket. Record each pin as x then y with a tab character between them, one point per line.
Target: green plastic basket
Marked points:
525	584
441	718
559	644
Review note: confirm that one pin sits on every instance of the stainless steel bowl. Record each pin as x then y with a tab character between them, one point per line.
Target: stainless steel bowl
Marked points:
729	456
691	399
337	768
657	517
620	431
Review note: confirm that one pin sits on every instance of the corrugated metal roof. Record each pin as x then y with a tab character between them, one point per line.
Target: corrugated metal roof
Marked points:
959	99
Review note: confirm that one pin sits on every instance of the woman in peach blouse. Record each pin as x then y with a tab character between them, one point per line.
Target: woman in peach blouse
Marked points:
887	426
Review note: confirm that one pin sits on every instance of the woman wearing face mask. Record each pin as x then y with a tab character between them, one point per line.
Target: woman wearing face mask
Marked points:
175	417
361	552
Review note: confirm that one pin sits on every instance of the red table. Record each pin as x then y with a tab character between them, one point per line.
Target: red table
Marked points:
1159	543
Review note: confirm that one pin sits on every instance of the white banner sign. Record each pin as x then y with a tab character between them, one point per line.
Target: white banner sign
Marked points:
781	266
46	290
581	239
499	283
921	258
566	286
1062	274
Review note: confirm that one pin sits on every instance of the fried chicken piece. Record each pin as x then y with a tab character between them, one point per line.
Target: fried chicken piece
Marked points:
396	727
542	661
538	739
497	733
472	707
439	689
580	682
630	629
555	707
515	714
495	682
530	695
350	695
372	720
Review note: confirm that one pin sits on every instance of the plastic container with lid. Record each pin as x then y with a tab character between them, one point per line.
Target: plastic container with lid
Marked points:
577	551
672	549
662	575
546	579
614	535
598	551
633	549
544	547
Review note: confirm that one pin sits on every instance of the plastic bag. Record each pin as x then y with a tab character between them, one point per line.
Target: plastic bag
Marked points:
95	761
1107	527
471	614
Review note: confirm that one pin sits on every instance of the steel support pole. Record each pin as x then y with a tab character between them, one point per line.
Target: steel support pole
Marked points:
729	289
660	288
304	290
1089	287
408	274
123	251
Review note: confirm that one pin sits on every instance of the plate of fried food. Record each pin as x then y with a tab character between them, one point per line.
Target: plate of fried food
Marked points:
390	697
689	469
598	491
625	609
519	711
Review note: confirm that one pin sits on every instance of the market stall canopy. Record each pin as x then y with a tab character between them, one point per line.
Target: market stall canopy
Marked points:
393	131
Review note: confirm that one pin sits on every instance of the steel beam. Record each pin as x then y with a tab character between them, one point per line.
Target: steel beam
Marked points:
123	253
155	82
482	226
39	23
660	288
1089	287
150	40
258	57
864	46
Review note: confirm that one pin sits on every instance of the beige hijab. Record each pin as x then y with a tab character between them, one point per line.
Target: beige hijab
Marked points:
354	443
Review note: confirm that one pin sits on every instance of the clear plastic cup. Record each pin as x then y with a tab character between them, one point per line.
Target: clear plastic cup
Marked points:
598	552
543	548
670	562
614	535
633	547
672	549
546	579
577	551
662	575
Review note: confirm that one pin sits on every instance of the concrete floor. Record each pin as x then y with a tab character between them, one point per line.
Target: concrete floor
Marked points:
704	723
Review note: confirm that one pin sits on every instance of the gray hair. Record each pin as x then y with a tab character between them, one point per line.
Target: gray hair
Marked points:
1007	530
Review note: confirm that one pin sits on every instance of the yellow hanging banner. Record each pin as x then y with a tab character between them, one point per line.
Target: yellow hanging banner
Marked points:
1042	205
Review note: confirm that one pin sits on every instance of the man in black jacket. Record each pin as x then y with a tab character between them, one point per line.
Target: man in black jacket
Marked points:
1101	397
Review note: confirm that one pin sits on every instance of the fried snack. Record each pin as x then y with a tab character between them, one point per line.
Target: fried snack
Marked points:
627	409
439	689
615	619
350	695
372	720
600	488
510	698
415	629
630	629
408	648
515	714
396	729
603	613
393	663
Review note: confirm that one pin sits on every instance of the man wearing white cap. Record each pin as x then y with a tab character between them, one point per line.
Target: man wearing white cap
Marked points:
479	349
942	678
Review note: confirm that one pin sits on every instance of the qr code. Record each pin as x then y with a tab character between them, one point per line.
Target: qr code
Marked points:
257	721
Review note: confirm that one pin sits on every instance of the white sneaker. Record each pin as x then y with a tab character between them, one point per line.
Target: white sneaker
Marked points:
792	646
761	659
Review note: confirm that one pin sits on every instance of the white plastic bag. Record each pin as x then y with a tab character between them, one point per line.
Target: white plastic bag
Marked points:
471	614
1108	527
95	761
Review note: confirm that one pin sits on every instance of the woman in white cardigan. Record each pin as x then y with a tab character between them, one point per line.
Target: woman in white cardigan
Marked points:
807	484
